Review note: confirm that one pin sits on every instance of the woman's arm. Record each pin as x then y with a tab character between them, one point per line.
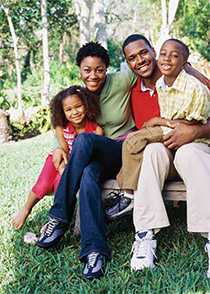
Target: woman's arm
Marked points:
198	75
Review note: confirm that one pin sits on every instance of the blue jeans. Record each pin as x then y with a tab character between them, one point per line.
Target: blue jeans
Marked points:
93	159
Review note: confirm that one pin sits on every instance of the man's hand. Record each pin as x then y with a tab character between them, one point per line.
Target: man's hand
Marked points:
180	135
58	156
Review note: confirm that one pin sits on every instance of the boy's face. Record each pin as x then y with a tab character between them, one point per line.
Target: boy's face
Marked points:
171	59
140	58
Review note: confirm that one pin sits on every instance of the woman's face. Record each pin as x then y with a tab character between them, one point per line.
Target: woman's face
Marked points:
93	73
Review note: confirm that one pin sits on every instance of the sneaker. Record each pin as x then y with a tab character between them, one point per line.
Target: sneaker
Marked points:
143	249
207	249
51	233
122	206
94	267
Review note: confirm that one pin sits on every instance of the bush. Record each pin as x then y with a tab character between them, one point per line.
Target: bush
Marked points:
40	123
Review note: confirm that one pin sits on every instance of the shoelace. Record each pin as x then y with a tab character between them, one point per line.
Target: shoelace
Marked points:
92	259
115	195
50	227
140	248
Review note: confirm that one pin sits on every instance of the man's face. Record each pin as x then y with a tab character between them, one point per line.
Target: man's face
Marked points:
140	58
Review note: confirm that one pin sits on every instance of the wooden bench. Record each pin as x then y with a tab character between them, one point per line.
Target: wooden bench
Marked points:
173	190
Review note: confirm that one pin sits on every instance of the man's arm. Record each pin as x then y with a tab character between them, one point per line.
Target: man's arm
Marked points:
183	134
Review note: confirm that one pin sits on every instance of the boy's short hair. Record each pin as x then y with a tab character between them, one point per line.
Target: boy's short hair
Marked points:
133	38
185	49
93	49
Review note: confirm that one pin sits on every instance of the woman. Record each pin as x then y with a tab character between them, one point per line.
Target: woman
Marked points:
93	160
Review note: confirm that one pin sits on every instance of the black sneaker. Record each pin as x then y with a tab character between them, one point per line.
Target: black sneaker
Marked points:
122	206
94	267
52	233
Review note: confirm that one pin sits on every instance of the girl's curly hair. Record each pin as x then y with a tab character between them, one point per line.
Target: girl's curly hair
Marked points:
90	101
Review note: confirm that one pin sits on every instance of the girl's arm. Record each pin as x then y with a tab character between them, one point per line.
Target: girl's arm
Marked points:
59	134
99	131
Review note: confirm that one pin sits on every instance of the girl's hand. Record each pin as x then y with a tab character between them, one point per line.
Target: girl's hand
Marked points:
61	167
59	155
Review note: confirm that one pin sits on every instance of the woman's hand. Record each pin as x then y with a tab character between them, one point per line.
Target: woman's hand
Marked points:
59	155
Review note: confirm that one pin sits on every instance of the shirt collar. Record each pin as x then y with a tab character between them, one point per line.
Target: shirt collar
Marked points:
177	85
143	88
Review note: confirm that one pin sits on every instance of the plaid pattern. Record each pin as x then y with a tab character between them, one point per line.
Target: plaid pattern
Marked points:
186	99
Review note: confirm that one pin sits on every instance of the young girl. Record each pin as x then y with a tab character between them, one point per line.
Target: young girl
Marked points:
73	111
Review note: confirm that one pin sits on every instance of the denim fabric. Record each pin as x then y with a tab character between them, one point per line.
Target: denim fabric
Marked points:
93	159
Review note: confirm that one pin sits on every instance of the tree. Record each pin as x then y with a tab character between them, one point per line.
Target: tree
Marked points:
46	66
17	59
168	12
92	21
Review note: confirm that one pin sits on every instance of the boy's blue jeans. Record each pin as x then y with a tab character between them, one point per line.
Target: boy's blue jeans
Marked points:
93	159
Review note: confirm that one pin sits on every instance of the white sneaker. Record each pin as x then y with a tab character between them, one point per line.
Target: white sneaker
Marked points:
207	249
143	252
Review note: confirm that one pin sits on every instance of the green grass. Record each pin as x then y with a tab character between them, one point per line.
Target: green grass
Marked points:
181	265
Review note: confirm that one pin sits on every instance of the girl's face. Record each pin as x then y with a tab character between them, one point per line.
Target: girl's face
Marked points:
171	59
93	73
74	110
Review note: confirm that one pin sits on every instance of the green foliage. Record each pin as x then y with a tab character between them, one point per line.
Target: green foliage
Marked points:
115	53
193	24
4	104
62	75
40	123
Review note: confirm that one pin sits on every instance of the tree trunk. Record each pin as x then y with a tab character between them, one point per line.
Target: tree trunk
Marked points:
168	16
84	11
91	15
99	18
4	127
17	61
46	67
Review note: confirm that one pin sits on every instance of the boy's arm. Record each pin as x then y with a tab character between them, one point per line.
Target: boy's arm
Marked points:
183	134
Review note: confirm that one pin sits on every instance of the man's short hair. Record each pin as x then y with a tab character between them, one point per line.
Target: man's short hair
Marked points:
133	38
93	49
185	49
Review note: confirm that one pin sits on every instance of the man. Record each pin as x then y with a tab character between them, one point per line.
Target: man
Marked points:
192	161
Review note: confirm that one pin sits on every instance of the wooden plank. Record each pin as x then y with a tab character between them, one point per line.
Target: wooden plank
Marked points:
173	190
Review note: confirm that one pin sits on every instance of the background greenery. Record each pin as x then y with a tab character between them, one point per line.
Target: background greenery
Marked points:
181	265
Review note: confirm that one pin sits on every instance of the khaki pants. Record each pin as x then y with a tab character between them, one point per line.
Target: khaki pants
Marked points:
132	155
192	161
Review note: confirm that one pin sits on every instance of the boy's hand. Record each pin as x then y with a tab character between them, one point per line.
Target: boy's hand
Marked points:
59	155
158	121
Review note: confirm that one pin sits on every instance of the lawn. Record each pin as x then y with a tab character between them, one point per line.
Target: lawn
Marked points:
181	264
